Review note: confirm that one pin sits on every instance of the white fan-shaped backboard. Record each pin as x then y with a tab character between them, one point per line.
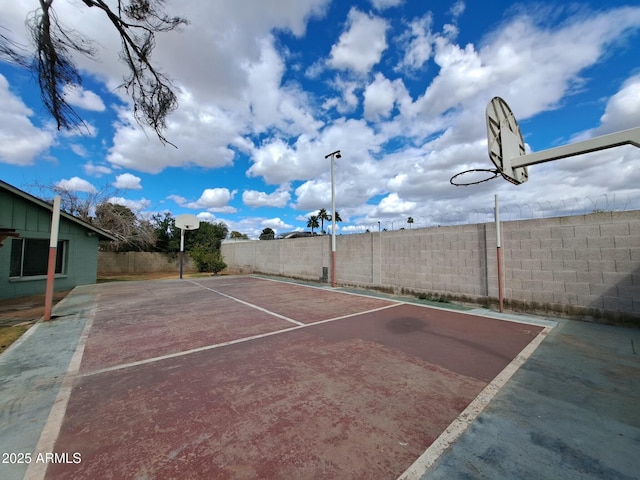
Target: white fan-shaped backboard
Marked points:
505	141
186	221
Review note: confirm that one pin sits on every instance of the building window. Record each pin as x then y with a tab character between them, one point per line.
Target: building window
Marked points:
30	257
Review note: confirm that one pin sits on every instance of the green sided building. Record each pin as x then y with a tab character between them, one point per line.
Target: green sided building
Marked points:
25	229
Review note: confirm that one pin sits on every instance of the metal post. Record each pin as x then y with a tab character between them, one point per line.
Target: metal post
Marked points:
181	250
333	156
499	253
333	223
53	253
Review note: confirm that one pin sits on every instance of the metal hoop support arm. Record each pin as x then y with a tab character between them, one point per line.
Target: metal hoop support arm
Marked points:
625	137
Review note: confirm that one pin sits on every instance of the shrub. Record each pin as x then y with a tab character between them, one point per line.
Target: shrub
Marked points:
208	259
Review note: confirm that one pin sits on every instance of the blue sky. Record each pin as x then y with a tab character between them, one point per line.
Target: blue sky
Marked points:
268	88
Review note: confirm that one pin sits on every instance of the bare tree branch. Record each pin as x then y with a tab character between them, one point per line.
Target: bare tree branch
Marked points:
53	66
132	229
152	92
137	22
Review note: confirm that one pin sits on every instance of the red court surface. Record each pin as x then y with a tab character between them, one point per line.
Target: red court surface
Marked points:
241	377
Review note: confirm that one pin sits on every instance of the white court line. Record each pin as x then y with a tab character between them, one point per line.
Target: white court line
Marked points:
49	434
512	318
467	417
249	304
224	344
329	289
348	315
187	352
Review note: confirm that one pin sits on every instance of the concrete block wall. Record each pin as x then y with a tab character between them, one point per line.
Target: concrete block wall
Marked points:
586	265
440	260
302	258
114	263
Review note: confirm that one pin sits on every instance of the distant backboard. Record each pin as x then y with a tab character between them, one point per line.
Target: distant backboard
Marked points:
505	141
186	221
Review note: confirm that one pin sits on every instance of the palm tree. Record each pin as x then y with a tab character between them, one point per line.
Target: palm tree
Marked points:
322	216
313	222
338	219
410	221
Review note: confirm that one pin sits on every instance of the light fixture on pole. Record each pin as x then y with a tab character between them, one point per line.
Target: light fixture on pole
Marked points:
333	156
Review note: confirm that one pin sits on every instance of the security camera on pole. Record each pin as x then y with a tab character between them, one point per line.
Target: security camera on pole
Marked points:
333	156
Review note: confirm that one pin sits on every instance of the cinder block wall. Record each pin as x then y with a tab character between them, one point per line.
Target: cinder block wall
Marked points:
113	263
586	265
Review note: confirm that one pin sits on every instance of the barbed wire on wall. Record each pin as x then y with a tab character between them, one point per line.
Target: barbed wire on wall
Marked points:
512	211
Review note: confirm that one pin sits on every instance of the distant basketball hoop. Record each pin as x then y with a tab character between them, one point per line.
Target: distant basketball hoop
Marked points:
186	221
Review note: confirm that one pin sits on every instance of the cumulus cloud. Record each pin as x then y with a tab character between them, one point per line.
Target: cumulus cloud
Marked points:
382	95
78	97
20	141
348	100
214	200
623	109
207	217
279	198
360	47
419	42
276	224
95	170
128	181
401	139
134	205
76	184
133	149
393	204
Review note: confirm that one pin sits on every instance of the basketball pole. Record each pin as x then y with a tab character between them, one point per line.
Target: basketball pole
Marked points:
499	254
53	253
181	250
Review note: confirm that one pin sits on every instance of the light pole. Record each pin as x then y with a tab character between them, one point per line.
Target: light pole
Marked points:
333	156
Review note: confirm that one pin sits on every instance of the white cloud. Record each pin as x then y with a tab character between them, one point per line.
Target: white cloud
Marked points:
419	48
360	47
202	134
214	200
381	96
457	9
79	150
273	104
279	198
393	204
276	224
78	97
207	217
623	109
76	184
134	205
20	141
349	100
384	4
178	199
95	170
244	96
128	181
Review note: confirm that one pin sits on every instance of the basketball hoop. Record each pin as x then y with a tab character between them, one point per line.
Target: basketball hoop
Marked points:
494	173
